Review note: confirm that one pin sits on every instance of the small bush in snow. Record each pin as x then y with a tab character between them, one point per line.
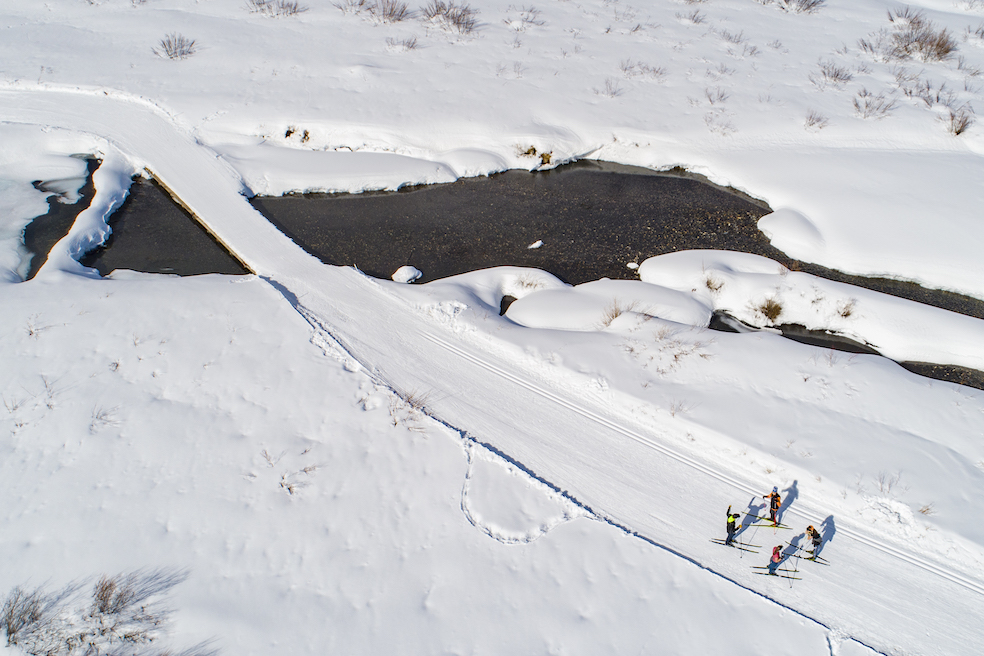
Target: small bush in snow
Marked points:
175	46
120	614
642	70
831	75
528	17
959	120
913	36
390	11
611	89
715	96
275	8
410	43
816	121
770	308
796	6
694	17
869	105
614	310
351	6
450	16
803	6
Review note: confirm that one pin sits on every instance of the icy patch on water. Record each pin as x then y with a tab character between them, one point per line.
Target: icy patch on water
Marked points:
507	503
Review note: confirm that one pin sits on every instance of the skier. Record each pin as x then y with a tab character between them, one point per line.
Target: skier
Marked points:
775	502
775	560
814	536
733	526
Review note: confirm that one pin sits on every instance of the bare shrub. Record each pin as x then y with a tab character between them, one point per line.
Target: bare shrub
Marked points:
352	6
868	105
614	310
959	120
912	36
102	417
408	408
831	75
803	6
967	69
713	284
175	46
410	43
527	281
275	8
815	120
611	88
528	17
737	39
928	509
452	17
694	17
888	482
639	69
390	11
770	308
123	611
846	309
716	95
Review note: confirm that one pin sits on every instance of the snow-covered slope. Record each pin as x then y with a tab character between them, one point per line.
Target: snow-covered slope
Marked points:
431	485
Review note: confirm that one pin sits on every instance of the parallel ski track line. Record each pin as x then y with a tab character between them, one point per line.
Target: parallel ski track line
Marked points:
916	561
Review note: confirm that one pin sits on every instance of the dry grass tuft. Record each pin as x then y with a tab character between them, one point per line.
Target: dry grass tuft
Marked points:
770	308
452	17
175	46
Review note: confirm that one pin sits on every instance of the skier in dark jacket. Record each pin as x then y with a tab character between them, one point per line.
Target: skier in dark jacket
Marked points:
775	503
733	526
814	536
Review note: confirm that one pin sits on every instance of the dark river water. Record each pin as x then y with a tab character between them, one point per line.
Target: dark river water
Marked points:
592	218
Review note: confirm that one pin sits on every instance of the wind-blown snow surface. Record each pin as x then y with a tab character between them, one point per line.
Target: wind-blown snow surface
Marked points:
197	423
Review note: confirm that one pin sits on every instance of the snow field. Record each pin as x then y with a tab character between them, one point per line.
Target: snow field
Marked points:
180	426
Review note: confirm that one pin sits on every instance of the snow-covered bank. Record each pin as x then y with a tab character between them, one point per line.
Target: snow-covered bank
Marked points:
726	88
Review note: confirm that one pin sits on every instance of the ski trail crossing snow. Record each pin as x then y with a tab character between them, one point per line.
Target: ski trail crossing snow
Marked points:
621	474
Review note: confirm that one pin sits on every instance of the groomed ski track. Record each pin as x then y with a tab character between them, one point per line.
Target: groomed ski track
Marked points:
881	594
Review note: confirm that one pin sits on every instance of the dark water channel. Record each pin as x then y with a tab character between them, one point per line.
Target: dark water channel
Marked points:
153	234
41	234
592	217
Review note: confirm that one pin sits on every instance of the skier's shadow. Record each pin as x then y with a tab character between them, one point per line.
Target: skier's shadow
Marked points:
790	494
827	530
755	509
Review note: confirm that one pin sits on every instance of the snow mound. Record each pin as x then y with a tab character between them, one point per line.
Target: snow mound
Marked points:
793	233
599	304
406	274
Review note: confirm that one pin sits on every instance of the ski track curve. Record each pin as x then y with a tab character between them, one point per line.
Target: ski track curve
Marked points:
612	477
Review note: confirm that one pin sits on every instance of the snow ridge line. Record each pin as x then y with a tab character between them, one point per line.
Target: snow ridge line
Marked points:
679	457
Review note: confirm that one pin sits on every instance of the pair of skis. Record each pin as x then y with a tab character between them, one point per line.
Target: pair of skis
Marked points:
787	573
813	557
768	523
741	546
